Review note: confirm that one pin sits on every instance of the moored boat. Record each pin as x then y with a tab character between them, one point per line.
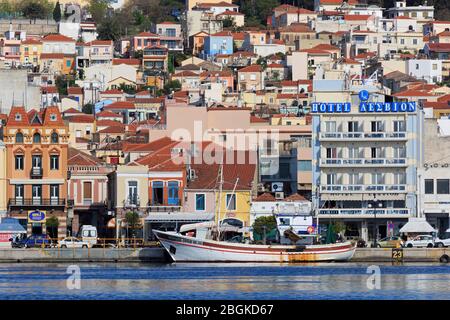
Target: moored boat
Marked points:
184	248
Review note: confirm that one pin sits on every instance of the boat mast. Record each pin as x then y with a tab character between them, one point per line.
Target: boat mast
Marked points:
220	200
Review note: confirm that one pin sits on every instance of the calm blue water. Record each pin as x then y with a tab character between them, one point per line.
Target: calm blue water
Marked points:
224	281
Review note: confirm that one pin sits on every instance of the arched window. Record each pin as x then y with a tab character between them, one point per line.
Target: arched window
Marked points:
19	137
36	138
54	137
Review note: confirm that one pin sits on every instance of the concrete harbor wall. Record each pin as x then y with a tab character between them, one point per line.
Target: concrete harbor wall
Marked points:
84	255
156	254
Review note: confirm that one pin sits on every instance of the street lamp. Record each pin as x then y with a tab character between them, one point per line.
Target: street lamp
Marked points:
375	203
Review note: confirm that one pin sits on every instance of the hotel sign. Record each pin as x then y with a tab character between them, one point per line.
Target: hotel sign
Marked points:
36	216
364	107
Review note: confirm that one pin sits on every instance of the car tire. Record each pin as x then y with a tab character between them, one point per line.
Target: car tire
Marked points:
409	245
84	246
440	245
378	245
63	246
430	245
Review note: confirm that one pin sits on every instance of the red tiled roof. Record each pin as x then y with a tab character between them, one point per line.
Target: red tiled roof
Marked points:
132	62
265	197
295	197
52	55
82	118
100	43
147	34
107	114
255	119
49	89
230	13
185	73
78	158
119	105
326	47
413	93
108	123
356	17
113	129
75	90
31	41
220	4
251	68
275	65
72	111
56	37
439	47
111	91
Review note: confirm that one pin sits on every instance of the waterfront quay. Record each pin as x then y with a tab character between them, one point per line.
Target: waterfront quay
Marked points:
158	254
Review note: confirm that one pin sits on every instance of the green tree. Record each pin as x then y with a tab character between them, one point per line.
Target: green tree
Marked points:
228	22
133	221
88	108
108	30
172	85
52	224
267	222
57	12
62	82
35	9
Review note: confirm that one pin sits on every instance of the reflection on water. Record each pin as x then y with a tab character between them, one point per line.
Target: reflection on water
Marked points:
224	281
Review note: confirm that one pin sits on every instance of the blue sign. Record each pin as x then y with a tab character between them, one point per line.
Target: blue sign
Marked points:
364	95
321	107
36	216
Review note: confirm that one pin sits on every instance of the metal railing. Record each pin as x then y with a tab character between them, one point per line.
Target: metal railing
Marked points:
364	161
361	211
37	202
363	188
36	172
363	135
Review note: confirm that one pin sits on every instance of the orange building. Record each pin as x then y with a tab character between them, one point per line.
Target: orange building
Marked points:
36	161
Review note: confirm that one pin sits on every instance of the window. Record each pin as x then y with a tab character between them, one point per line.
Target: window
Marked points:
173	193
377	126
19	162
417	66
353	152
36	191
19	189
132	192
54	162
353	126
54	137
399	151
231	202
253	77
18	117
354	179
415	41
304	165
429	186
36	138
19	137
53	117
442	186
434	66
402	41
200	202
399	178
399	126
87	192
377	178
36	161
331	178
54	191
331	153
330	126
158	192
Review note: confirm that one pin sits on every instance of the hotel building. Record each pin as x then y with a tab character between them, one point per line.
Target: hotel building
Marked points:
365	157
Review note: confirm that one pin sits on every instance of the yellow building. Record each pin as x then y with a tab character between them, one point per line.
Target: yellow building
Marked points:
239	182
30	51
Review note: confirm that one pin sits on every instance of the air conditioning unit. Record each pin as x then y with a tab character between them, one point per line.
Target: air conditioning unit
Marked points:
279	195
277	186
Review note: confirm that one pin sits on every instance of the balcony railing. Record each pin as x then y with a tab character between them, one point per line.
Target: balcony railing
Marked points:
362	135
363	188
395	162
163	208
33	202
36	173
132	202
372	212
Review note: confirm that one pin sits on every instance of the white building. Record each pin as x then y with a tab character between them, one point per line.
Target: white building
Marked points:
434	174
365	157
429	70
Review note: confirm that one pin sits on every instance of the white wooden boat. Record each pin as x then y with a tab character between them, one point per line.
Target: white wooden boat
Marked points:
185	248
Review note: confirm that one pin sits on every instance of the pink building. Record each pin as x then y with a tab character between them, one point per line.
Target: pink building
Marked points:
87	190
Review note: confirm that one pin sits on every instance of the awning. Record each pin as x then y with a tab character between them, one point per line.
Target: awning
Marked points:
11	225
417	225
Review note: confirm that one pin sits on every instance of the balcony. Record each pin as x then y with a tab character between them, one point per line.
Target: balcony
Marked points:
163	208
365	213
37	202
364	162
359	188
364	136
36	173
132	202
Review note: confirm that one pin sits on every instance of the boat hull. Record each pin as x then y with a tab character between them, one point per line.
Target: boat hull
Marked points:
188	249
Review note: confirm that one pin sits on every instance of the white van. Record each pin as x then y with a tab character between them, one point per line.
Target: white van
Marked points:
88	234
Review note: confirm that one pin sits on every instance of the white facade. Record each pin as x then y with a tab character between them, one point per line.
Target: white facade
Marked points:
429	70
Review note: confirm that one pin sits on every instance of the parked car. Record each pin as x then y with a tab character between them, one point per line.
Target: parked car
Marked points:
72	242
390	242
421	241
33	241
